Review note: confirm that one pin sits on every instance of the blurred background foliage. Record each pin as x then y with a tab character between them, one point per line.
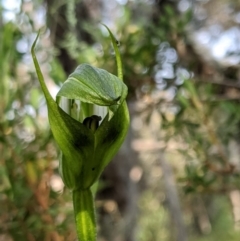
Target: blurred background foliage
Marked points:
177	177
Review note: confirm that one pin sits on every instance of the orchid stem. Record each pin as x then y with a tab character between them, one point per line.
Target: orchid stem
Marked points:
84	211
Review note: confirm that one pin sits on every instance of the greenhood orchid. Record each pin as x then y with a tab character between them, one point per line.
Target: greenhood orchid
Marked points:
87	145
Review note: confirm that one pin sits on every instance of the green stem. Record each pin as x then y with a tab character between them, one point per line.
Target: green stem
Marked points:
83	205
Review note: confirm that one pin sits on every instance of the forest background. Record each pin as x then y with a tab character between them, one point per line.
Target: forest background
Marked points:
177	176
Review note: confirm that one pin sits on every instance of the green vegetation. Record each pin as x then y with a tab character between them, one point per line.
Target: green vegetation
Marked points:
177	176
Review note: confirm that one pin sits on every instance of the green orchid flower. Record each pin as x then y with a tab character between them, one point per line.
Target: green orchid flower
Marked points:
87	145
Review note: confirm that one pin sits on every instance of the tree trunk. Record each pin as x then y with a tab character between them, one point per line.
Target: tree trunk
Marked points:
173	200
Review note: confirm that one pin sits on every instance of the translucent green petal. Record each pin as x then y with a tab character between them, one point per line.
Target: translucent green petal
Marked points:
93	85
